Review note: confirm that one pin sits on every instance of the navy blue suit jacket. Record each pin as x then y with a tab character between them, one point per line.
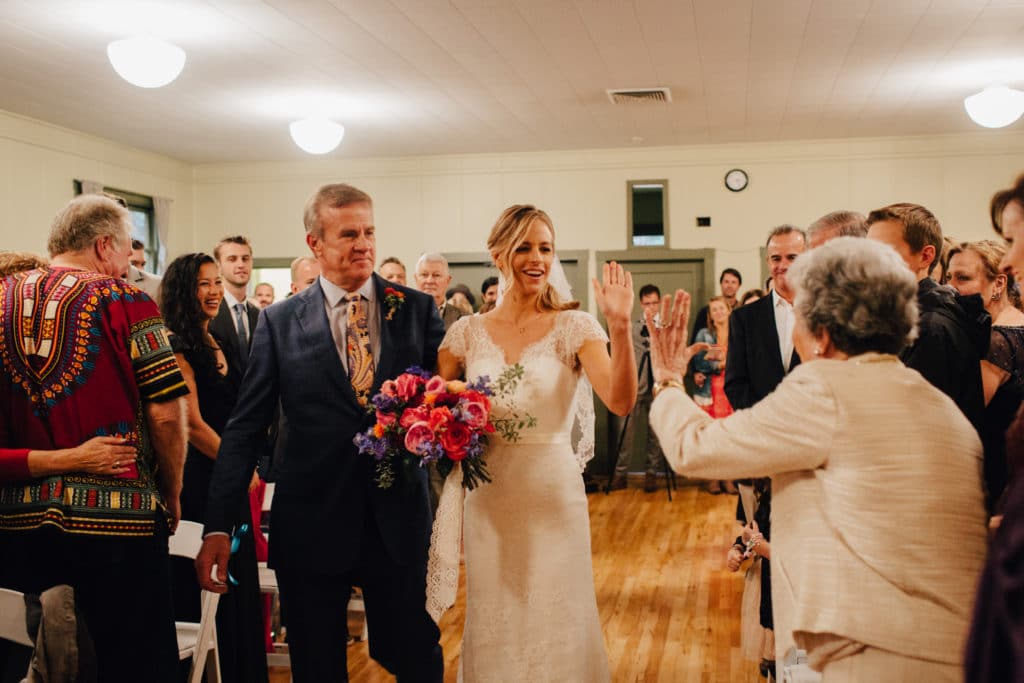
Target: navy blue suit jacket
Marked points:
324	488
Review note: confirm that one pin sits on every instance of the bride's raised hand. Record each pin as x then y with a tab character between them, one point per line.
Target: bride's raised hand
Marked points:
614	294
670	354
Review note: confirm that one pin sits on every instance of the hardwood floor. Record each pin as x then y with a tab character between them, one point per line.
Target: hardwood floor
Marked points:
669	609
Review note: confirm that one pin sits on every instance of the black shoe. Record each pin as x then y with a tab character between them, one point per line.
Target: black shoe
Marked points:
650	482
618	483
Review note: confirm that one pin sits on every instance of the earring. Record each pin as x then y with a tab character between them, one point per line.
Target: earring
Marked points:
996	296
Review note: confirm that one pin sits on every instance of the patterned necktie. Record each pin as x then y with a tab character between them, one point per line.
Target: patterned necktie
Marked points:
358	350
243	338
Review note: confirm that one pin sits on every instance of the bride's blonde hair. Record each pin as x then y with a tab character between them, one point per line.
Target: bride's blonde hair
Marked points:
507	234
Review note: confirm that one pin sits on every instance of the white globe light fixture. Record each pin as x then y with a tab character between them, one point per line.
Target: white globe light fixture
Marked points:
995	107
146	62
317	135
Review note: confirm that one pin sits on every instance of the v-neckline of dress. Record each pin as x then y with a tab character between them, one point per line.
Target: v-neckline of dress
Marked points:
522	352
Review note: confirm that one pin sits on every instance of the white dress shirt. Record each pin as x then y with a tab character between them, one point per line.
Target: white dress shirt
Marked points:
231	301
785	320
337	316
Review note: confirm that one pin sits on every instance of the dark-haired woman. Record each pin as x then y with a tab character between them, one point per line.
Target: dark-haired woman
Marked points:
191	293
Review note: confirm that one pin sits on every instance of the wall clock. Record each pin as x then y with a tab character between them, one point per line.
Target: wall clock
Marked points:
736	180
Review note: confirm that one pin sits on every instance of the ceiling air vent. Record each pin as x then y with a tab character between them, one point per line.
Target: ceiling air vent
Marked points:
639	95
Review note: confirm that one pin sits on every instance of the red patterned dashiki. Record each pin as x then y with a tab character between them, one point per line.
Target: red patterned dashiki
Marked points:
81	352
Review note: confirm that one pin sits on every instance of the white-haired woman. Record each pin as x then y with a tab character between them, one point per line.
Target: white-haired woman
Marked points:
861	579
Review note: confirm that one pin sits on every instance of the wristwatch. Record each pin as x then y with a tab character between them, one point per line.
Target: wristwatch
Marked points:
665	384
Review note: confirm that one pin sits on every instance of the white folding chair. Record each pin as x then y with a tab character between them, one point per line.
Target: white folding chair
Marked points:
197	640
12	618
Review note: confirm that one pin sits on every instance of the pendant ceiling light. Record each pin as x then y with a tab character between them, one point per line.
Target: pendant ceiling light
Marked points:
146	62
317	135
995	106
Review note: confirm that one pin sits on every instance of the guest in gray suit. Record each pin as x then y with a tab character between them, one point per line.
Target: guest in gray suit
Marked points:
433	278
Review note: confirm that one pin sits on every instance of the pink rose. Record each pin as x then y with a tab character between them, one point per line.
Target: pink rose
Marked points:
407	386
455	439
436	385
419	433
389	388
474	414
411	416
385	419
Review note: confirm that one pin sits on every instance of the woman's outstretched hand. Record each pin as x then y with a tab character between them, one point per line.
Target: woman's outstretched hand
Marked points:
670	354
614	294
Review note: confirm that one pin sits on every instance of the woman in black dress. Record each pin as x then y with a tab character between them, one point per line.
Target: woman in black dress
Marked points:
191	294
973	268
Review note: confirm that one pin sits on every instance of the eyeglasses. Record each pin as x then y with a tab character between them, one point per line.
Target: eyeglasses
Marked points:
236	541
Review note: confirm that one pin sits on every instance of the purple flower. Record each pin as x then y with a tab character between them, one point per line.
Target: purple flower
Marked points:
481	384
419	372
385	403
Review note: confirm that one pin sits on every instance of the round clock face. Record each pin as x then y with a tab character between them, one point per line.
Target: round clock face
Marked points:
736	179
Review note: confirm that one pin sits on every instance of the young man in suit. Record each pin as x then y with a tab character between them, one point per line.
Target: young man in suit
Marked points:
761	334
322	353
236	319
953	331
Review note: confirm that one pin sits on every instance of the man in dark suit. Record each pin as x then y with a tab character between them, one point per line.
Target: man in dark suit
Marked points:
323	353
236	319
761	334
953	331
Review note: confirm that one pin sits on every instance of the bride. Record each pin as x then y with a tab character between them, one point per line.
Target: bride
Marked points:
531	612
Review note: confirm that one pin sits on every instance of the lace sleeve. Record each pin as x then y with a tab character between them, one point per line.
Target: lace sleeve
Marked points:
455	341
1001	351
582	327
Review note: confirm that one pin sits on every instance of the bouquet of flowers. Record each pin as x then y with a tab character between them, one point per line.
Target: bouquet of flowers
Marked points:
421	418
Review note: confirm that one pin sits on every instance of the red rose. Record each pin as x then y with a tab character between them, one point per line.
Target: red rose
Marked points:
441	419
385	419
412	415
477	397
455	439
436	385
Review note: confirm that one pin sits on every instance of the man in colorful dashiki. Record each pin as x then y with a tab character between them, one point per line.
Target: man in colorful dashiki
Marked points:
85	354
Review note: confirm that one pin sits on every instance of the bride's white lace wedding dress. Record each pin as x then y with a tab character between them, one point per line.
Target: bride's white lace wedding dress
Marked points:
531	612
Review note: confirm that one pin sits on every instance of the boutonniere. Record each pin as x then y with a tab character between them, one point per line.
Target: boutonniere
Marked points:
394	300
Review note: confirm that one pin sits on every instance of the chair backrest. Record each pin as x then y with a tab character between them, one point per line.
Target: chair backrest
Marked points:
12	618
187	540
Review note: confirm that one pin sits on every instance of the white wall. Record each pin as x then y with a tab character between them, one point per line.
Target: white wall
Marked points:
448	203
39	163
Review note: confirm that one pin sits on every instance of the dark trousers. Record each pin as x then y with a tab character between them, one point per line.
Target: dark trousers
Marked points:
403	637
122	590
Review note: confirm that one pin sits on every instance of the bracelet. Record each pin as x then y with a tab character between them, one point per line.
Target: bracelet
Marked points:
667	383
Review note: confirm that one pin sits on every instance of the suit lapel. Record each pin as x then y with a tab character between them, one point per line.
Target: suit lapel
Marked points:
316	338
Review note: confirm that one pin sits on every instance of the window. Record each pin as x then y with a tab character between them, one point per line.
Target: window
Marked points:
647	212
140	210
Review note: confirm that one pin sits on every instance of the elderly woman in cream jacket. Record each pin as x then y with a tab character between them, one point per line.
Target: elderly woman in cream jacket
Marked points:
878	522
